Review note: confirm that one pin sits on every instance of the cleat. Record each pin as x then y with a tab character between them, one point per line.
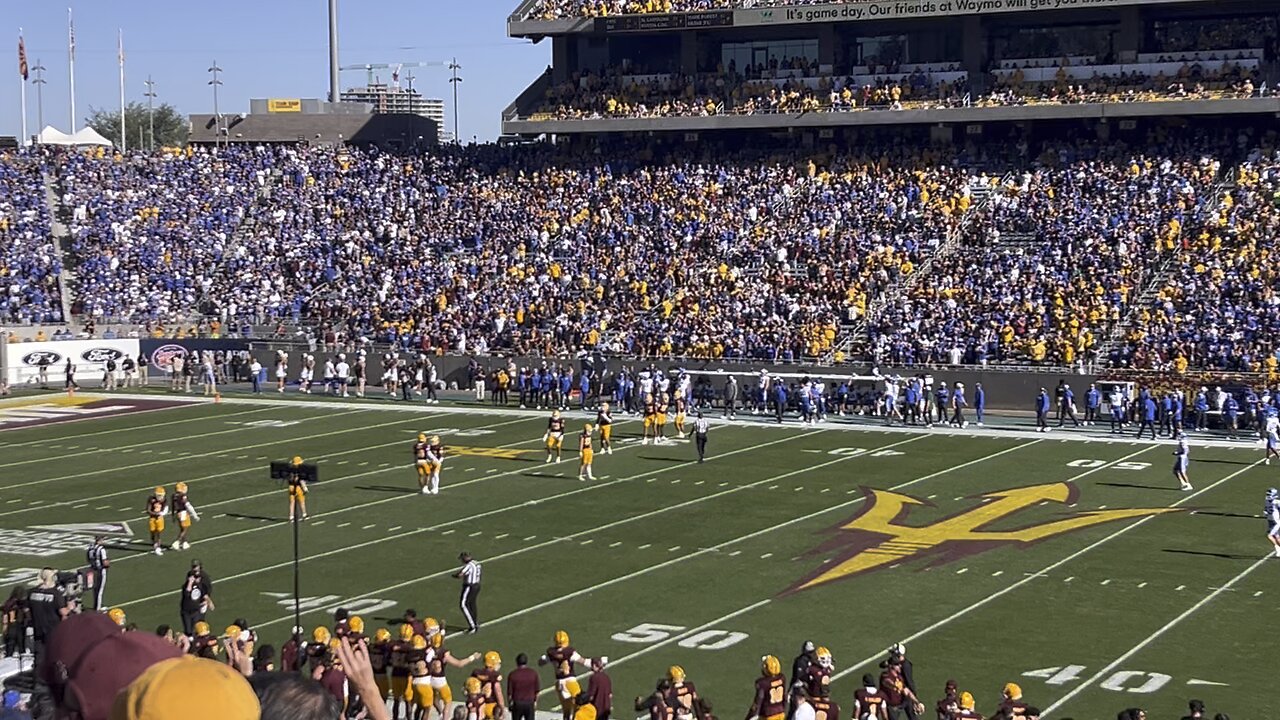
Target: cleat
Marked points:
186	545
157	550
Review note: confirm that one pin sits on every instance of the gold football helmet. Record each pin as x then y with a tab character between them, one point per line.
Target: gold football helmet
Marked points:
561	639
770	665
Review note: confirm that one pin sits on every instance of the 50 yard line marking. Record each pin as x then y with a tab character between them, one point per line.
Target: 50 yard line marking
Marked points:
1048	568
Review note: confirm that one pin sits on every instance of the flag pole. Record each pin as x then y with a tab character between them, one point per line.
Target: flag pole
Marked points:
71	66
22	79
124	145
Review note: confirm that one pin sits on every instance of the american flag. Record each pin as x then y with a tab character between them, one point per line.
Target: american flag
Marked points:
22	57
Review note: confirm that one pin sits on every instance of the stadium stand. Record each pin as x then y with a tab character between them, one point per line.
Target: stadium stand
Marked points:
29	262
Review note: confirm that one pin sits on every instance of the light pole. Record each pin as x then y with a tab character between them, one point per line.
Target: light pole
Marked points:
217	117
39	82
454	67
151	111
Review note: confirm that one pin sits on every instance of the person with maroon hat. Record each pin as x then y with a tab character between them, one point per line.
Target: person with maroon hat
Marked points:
88	661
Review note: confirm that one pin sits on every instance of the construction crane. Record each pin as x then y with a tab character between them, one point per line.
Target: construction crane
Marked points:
370	67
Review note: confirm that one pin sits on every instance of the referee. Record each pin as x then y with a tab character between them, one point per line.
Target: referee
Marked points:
470	575
700	427
98	562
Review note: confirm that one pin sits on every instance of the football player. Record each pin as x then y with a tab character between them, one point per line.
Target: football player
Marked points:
297	489
117	616
585	454
868	702
419	676
1011	704
680	411
604	421
421	464
817	680
966	711
183	513
650	420
435	459
683	695
1181	456
554	437
355	630
398	658
441	660
204	644
474	701
379	658
490	677
562	657
824	708
1271	437
660	420
156	508
1271	509
318	648
770	701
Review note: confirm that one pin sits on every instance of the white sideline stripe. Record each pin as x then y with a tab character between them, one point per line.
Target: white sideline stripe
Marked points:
1019	431
161	462
1048	568
674	638
242	470
467	518
607	526
717	548
276	492
136	427
1156	635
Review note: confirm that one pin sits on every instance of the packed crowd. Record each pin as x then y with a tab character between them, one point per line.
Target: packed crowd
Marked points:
29	262
1049	267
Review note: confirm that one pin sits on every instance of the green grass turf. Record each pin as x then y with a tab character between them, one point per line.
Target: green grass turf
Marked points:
705	552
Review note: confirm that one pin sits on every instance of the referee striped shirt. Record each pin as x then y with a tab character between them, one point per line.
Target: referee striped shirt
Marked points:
97	556
471	573
701	425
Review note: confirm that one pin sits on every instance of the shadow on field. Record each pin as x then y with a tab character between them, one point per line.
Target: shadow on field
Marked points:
1140	487
1223	462
1202	553
551	476
664	459
244	516
389	489
1227	515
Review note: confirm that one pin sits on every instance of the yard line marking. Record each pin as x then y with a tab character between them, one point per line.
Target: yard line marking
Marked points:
317	457
183	406
149	443
291	439
1156	635
648	648
1052	566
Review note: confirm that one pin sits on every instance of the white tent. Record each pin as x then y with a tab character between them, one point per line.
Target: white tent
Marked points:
84	136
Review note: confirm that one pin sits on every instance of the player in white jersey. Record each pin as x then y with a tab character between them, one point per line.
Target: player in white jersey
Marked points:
1271	508
1271	433
891	400
1181	456
342	374
330	376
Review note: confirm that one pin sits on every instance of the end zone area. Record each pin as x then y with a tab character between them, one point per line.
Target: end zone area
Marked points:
1076	569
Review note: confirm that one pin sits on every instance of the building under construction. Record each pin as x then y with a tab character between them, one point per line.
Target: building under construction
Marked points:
396	100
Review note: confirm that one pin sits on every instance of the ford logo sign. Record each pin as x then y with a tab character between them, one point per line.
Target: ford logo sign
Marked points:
165	354
101	354
39	356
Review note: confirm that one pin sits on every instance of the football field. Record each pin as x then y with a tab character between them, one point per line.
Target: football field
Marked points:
1073	567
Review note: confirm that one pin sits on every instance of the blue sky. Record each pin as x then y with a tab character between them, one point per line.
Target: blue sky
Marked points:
266	48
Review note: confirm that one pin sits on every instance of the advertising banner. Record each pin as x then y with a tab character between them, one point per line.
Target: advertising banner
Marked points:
284	105
895	9
648	22
23	360
161	352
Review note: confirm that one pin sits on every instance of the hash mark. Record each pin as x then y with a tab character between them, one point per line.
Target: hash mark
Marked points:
366	527
699	482
1141	585
499	537
673	548
588	541
773	487
319	522
650	480
722	484
391	530
344	524
825	490
1258	594
364	463
798	489
616	544
471	469
851	491
219	515
1180	588
530	538
735	553
102	507
645	546
997	573
1102	507
343	462
960	498
1105	582
448	532
1073	577
476	533
766	556
962	571
245	457
17	500
385	465
490	471
676	481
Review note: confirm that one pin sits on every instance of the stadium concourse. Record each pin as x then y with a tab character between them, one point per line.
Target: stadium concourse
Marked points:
1151	251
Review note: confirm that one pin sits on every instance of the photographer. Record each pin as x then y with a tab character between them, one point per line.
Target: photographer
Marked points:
48	606
196	598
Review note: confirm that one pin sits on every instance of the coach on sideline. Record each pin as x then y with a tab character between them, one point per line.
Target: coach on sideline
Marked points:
470	575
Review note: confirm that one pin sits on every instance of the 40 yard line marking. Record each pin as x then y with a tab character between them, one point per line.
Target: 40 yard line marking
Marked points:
1156	635
1048	568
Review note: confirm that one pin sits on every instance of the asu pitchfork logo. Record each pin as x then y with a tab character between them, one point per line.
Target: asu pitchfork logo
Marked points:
878	537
